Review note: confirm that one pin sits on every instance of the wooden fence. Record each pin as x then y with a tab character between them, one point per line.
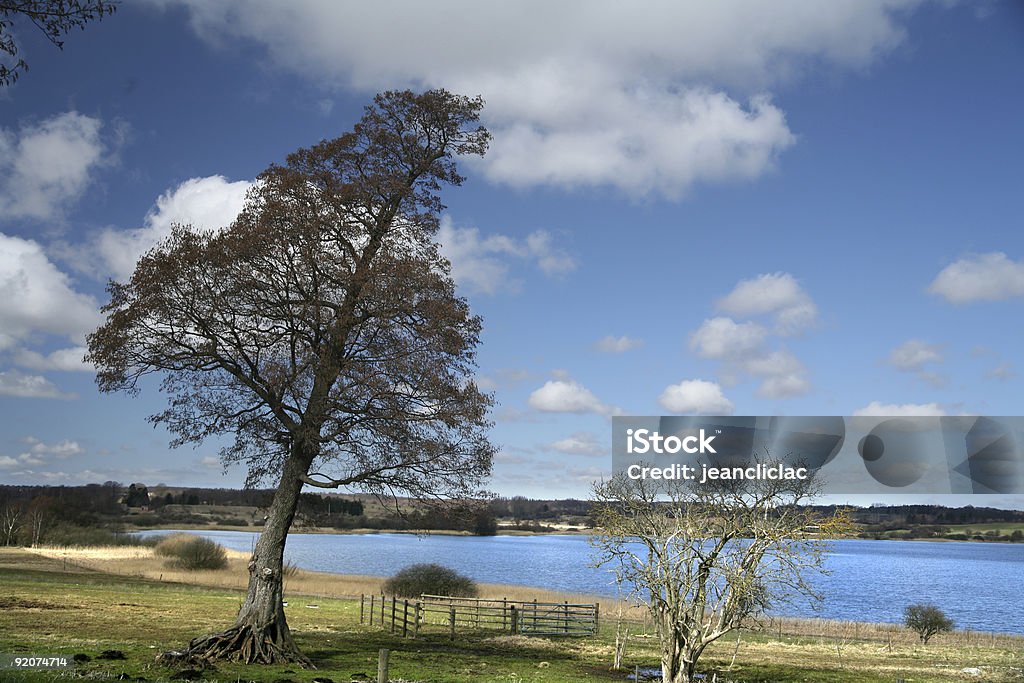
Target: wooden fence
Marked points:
453	614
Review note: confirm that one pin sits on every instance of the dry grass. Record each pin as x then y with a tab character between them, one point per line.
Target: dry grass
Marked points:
847	635
144	563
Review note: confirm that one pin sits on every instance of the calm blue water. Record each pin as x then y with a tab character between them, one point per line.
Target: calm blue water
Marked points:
979	585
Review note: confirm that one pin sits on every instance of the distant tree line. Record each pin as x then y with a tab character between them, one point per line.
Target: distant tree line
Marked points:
31	515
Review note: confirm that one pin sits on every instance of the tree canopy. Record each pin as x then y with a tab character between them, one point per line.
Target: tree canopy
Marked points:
705	557
320	333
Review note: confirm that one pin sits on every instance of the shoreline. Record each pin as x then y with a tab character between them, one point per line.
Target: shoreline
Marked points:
571	531
139	562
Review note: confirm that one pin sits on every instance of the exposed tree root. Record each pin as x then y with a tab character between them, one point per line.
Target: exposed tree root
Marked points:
242	643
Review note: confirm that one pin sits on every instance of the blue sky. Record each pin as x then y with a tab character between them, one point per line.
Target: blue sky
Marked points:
719	208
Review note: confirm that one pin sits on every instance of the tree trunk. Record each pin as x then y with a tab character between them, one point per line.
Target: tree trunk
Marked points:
260	634
678	661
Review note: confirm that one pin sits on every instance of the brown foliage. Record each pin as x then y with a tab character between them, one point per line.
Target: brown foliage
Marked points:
320	331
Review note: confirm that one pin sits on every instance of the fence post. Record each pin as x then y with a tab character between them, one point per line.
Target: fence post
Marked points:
451	622
382	609
405	618
504	615
565	627
372	597
393	600
535	614
362	601
515	620
418	617
382	665
597	617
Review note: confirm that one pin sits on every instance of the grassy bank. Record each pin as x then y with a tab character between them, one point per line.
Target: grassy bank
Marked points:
65	605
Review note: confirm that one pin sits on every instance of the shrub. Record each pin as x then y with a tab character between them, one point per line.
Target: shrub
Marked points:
432	579
926	620
192	552
170	546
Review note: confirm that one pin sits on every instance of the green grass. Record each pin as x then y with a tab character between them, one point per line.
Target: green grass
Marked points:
45	610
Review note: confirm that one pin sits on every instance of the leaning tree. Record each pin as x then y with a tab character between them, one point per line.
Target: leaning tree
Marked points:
703	558
321	333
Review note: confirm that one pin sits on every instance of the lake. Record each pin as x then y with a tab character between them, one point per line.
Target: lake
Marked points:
978	585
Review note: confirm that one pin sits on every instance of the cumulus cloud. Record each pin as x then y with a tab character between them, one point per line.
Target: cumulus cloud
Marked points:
656	142
39	451
62	449
980	277
915	356
21	385
878	409
696	396
36	297
612	344
560	79
746	347
724	338
46	166
210	202
568	396
580	443
743	348
481	263
68	360
776	294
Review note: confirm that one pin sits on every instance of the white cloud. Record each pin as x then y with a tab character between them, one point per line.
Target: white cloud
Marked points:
211	202
980	277
15	383
62	449
696	396
914	354
778	294
567	396
36	297
560	79
782	373
486	383
744	347
580	443
612	344
481	263
724	338
7	462
784	386
878	409
70	360
662	141
551	260
1003	371
46	166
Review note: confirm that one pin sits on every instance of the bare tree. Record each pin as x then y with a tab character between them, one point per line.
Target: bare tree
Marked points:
322	332
11	515
38	517
53	18
704	557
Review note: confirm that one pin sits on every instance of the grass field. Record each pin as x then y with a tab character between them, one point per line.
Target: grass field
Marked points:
53	605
